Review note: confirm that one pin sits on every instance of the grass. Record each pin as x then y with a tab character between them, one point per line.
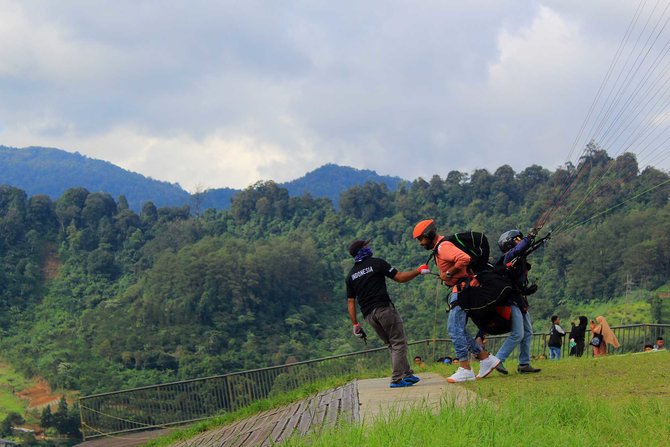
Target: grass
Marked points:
618	311
11	382
619	400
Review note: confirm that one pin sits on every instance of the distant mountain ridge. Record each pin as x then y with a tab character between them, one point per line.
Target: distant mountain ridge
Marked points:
330	180
51	171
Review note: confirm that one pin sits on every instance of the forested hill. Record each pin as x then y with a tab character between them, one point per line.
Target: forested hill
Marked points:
39	170
95	296
51	172
331	180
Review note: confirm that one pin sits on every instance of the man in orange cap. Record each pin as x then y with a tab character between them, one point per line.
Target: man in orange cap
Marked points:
453	265
367	282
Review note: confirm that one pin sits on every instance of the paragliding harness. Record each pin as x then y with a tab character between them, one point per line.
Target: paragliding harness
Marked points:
498	321
482	303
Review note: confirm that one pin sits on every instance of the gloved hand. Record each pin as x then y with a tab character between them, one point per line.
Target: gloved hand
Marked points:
424	269
533	232
358	331
529	290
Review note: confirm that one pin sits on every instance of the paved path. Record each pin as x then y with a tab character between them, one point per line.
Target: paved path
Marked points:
378	400
358	401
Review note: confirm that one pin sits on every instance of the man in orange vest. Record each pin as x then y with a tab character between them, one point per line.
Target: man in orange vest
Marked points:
453	265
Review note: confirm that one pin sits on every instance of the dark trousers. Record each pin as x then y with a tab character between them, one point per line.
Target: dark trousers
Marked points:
387	323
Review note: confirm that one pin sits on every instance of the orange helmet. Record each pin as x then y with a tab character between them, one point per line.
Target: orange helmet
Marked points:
425	228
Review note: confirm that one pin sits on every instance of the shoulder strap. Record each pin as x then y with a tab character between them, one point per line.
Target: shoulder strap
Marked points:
433	254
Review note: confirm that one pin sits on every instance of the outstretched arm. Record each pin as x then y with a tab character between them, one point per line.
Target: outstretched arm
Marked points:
411	274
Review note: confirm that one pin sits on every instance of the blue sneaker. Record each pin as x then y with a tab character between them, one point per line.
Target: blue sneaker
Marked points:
400	384
412	379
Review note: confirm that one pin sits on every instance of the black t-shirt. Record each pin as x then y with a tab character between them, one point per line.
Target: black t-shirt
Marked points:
367	283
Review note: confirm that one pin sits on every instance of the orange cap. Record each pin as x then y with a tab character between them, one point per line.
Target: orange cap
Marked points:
423	227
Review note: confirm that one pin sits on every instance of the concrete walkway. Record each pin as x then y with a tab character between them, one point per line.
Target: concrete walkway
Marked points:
377	400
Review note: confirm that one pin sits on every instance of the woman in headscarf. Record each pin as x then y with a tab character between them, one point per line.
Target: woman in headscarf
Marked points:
601	327
577	334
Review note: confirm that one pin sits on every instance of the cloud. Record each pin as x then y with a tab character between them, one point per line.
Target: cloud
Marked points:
227	93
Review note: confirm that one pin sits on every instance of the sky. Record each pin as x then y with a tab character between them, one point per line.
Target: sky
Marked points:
228	93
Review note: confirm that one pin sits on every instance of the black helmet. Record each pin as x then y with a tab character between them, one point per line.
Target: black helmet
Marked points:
506	241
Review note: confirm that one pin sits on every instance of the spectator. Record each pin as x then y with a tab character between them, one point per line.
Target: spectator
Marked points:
600	327
577	334
648	347
419	363
659	344
556	334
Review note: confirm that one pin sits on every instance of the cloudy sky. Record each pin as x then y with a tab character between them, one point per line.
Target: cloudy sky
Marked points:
223	94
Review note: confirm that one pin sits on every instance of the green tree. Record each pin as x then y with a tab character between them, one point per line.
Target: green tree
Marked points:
47	418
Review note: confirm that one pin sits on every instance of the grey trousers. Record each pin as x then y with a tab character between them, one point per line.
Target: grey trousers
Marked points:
387	323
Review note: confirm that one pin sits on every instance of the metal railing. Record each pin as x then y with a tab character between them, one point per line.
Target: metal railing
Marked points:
631	337
187	401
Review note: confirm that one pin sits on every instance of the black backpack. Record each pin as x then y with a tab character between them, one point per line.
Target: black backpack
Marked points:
494	290
475	244
495	287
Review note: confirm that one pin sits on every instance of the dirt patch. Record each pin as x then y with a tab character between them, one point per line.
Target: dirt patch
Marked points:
50	264
39	396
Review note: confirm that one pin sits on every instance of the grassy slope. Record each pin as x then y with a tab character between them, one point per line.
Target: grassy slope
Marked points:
621	400
619	311
11	382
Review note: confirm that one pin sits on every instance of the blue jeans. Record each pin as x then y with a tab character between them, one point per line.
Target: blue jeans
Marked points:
554	353
463	342
522	333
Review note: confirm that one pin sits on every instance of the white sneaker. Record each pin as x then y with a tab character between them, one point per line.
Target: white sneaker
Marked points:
461	375
487	365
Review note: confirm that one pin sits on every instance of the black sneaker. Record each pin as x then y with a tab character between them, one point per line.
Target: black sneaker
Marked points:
501	369
526	369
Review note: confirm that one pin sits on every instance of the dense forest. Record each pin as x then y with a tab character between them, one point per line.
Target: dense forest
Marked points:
97	297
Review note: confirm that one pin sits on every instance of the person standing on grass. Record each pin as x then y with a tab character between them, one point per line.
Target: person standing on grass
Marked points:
453	265
600	326
577	334
366	282
556	334
514	245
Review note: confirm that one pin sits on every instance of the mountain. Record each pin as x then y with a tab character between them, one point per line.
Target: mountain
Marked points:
50	171
39	170
331	180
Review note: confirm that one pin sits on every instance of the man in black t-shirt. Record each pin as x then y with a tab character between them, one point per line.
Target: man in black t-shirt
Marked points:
366	282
